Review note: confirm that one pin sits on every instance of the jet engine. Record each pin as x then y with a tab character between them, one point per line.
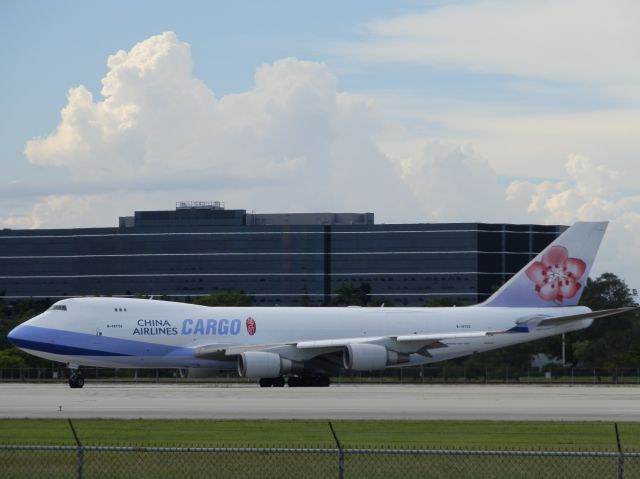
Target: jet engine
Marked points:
261	364
367	357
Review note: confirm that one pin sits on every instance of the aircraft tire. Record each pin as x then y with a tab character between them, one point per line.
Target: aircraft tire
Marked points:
295	382
76	380
278	382
322	381
266	382
315	380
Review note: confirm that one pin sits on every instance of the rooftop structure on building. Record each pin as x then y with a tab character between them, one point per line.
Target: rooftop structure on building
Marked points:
213	213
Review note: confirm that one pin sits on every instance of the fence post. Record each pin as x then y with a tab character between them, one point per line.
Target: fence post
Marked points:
620	454
340	452
80	451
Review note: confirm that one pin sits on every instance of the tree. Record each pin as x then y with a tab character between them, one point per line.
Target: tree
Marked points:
381	301
13	314
609	341
607	292
443	301
350	296
228	298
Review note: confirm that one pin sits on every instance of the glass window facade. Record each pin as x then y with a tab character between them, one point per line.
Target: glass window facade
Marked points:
185	254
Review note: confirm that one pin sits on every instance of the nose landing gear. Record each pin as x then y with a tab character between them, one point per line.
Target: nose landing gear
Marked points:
76	380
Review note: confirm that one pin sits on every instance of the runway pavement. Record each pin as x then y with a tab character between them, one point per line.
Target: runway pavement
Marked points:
561	403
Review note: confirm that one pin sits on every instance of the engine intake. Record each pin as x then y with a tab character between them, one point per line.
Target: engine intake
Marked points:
367	357
260	364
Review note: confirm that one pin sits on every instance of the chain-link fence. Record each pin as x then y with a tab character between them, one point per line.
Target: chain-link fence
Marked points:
80	461
46	462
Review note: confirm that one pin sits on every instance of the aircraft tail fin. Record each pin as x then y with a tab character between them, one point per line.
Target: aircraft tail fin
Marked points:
557	276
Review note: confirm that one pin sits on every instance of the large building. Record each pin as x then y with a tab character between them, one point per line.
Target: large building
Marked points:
288	259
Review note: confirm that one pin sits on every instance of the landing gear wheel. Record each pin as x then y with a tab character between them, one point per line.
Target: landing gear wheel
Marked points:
295	382
309	380
322	381
271	382
76	380
265	382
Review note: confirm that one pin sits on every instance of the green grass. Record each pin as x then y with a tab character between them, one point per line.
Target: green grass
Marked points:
503	435
362	434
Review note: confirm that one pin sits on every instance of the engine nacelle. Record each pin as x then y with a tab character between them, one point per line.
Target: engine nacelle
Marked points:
368	357
261	364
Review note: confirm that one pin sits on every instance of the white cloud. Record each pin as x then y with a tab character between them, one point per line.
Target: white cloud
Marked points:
152	112
292	139
588	42
591	194
576	71
54	211
530	144
453	183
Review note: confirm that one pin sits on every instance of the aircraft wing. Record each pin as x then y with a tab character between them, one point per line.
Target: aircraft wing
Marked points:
417	342
223	350
417	338
421	342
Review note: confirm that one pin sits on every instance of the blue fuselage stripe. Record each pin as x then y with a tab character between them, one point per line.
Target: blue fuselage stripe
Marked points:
62	342
61	349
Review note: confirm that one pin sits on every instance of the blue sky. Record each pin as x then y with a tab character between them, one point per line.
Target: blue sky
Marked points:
52	46
511	110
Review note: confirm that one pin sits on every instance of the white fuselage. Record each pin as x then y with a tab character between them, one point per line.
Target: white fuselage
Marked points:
137	333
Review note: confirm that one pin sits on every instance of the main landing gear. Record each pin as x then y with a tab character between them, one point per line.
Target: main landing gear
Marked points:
76	380
272	382
306	380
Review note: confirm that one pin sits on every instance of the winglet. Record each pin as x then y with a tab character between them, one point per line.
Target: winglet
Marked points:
557	276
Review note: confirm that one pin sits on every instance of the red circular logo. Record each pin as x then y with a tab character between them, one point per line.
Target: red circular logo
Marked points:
251	326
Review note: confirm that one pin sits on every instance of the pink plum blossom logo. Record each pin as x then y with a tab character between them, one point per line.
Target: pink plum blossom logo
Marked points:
251	326
557	276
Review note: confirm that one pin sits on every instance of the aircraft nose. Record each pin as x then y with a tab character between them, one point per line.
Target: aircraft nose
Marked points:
15	335
21	336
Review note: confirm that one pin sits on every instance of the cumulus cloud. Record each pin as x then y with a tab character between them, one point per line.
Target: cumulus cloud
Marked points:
152	111
293	138
453	183
590	194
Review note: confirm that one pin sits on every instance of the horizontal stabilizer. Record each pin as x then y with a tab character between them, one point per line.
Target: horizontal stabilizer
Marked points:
525	325
592	315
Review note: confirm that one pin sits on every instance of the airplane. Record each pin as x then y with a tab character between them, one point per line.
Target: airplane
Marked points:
302	346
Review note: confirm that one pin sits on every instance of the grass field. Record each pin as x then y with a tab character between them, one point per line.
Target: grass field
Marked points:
463	435
518	435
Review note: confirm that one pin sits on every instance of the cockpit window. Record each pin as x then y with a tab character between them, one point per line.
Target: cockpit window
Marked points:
58	307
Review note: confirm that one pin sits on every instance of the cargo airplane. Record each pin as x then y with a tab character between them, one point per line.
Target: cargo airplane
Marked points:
304	345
